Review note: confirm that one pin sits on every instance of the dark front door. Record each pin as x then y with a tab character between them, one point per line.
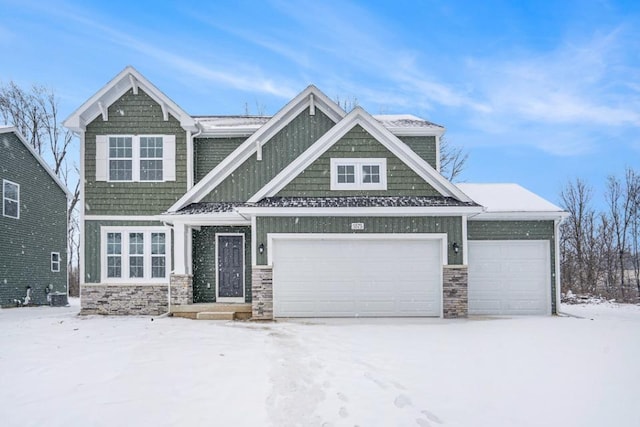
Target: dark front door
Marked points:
231	268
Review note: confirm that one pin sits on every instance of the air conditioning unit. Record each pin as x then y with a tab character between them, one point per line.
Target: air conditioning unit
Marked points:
58	299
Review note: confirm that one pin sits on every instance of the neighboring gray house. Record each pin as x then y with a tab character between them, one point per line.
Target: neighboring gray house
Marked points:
312	212
33	224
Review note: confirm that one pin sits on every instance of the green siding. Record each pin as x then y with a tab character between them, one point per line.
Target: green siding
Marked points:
209	152
133	115
424	146
91	238
315	180
277	153
518	230
27	242
450	225
204	262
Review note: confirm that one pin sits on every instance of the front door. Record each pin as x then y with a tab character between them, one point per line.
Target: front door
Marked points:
230	254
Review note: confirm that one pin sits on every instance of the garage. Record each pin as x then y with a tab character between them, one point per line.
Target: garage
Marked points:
357	276
509	277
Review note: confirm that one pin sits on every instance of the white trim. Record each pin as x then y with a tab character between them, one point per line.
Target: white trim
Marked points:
125	230
438	153
289	112
254	242
271	237
383	211
7	199
519	216
312	105
52	262
129	78
358	164
258	150
465	241
216	218
121	217
104	111
556	262
81	257
45	166
168	158
244	266
398	148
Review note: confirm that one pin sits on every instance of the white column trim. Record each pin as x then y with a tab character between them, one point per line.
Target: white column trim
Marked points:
465	242
179	249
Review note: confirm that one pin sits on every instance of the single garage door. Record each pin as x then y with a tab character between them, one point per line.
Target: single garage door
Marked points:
509	277
353	277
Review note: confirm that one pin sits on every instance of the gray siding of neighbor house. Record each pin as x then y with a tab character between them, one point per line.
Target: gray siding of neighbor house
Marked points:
133	115
204	262
424	146
315	180
452	226
518	230
92	244
26	243
209	152
277	153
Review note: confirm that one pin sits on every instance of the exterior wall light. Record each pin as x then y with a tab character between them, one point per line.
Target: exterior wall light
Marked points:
455	247
261	248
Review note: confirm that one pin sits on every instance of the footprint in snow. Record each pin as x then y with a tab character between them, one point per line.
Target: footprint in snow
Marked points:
422	422
402	401
432	417
343	412
342	397
379	383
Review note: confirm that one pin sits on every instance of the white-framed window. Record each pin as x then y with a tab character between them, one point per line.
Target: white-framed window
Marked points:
135	254
55	262
358	174
135	158
10	199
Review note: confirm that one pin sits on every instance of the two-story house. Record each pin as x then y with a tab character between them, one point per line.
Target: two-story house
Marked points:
311	212
33	225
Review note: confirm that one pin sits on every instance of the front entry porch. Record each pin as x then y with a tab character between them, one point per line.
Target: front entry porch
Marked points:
213	311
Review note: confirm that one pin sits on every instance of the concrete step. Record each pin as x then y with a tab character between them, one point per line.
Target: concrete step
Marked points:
216	315
211	307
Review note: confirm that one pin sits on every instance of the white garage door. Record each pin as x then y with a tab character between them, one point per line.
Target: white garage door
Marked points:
356	277
509	277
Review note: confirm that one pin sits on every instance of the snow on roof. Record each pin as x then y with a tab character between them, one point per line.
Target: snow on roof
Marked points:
404	121
507	198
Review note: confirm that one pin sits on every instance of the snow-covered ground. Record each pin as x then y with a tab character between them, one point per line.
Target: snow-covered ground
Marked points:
58	369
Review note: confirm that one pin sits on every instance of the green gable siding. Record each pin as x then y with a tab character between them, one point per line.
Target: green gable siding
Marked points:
27	242
518	230
450	225
133	115
209	152
92	244
204	262
277	153
424	146
315	180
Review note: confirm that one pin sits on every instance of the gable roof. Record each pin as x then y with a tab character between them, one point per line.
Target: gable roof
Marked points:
45	166
409	125
129	78
310	98
360	117
510	201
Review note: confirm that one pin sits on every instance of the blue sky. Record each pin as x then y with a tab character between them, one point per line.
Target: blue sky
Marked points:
538	92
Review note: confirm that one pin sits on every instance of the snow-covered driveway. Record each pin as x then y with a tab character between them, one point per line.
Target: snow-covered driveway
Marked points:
58	369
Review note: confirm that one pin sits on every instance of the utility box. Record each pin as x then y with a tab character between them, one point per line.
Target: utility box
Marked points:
58	299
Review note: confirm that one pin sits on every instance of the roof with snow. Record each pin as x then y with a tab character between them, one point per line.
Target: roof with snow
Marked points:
509	199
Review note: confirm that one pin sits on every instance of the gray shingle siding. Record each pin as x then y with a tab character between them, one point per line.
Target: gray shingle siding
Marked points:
27	242
209	152
133	115
424	146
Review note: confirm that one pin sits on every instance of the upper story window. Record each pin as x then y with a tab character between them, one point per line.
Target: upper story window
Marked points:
135	158
358	174
134	255
10	199
55	262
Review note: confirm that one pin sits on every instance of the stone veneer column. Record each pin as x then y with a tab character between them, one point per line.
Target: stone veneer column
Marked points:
262	293
181	289
455	291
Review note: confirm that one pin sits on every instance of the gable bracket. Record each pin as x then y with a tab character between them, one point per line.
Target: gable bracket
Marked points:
312	105
134	84
165	111
258	150
104	111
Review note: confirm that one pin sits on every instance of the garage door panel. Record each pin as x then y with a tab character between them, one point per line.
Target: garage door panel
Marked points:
359	277
509	277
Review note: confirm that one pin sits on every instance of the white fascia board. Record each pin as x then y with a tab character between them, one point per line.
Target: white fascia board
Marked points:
45	166
374	211
520	216
127	79
220	218
360	117
228	132
121	217
404	131
281	119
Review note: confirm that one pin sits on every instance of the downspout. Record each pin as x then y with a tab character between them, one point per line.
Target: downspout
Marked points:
191	155
169	285
556	243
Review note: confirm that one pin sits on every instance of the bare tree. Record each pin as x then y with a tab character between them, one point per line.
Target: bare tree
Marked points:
453	159
35	114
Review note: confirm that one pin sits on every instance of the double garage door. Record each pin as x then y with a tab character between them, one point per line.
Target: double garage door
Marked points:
356	277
